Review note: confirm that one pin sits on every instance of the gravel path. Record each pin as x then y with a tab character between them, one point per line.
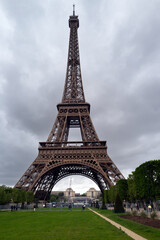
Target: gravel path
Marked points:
126	230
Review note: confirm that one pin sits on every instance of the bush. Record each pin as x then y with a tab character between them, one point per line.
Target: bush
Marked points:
118	207
143	214
134	213
153	215
129	213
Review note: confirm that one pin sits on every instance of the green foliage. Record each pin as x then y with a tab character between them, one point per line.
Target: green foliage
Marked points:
16	195
143	214
54	198
153	215
134	213
29	197
61	194
2	195
103	205
112	192
143	184
57	197
118	207
105	196
128	213
122	188
104	199
5	194
83	195
131	188
147	180
145	231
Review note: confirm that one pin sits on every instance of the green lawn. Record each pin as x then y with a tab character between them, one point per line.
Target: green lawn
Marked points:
57	225
145	231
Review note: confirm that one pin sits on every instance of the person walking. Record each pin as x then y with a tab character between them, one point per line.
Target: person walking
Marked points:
83	207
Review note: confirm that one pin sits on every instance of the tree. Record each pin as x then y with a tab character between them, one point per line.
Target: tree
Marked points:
112	193
5	194
118	207
29	197
122	188
2	195
53	198
61	194
18	195
83	195
106	196
8	191
131	188
147	180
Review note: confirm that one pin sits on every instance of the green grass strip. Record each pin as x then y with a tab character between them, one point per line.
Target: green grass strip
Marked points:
145	231
57	225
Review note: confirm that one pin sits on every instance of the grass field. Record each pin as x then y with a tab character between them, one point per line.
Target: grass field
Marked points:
145	231
57	225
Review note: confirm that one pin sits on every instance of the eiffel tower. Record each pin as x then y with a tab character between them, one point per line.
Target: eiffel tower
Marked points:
58	157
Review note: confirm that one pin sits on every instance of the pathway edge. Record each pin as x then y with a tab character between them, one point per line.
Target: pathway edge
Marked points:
126	230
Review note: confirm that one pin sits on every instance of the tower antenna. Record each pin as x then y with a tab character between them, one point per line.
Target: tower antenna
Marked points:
73	9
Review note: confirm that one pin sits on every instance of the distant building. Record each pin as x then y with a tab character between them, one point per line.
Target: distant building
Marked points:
56	192
77	194
93	193
69	193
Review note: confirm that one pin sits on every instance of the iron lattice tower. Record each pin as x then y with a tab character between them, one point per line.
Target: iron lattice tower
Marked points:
57	157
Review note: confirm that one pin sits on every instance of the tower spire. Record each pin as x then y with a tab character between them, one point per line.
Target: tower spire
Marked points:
73	89
73	9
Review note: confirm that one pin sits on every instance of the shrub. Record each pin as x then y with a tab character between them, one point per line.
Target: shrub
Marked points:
153	215
118	207
143	214
134	213
129	213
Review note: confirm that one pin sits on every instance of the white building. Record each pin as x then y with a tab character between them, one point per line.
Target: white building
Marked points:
69	193
93	193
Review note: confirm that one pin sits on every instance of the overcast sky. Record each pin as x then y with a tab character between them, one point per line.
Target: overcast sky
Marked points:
120	61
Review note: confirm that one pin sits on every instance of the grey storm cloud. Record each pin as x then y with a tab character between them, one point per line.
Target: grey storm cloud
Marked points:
120	55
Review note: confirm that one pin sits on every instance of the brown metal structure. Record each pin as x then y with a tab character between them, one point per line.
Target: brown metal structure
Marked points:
57	157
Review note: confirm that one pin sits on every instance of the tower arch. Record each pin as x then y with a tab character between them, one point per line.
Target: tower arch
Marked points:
50	178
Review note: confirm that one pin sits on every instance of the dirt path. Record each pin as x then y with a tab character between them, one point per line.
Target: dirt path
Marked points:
127	231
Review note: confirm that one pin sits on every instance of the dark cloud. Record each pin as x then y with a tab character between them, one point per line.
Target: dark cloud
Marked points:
119	50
